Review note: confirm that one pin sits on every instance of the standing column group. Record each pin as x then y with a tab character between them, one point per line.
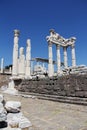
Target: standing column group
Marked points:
50	65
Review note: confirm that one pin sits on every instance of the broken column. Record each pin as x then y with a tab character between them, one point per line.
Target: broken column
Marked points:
21	63
15	53
28	59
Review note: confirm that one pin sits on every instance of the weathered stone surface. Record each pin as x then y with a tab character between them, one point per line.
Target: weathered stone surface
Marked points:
13	119
17	120
24	123
13	106
69	85
1	98
3	114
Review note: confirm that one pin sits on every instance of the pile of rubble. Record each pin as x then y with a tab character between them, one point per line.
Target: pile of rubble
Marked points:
81	70
11	117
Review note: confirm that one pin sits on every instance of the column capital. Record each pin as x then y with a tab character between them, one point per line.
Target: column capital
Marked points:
16	33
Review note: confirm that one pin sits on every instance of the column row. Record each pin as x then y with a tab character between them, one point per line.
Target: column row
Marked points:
50	65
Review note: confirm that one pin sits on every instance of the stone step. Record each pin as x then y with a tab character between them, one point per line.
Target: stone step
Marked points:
64	99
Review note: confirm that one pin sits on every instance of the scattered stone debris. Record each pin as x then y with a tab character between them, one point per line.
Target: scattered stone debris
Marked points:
11	117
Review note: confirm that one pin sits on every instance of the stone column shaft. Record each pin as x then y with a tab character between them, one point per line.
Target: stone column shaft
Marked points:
15	53
58	59
73	55
28	58
65	57
21	63
50	65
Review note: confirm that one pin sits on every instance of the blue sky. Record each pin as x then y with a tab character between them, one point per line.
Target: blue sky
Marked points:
34	19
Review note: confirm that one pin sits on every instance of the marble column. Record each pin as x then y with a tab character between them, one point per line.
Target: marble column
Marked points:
28	59
21	63
58	59
50	64
2	65
15	53
65	57
73	55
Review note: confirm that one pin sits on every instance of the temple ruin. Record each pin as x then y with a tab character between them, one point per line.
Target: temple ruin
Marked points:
59	41
22	64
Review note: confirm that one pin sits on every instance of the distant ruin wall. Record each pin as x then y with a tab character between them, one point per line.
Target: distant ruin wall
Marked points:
70	85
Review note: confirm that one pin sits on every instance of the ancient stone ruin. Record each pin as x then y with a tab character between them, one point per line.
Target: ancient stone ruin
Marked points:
22	67
69	81
11	116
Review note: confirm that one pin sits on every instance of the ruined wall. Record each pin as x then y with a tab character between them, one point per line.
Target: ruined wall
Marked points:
70	85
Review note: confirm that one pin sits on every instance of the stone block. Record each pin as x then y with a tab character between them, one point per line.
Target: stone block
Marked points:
13	119
24	123
13	106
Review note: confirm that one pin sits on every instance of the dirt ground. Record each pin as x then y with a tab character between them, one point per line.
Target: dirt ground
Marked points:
49	115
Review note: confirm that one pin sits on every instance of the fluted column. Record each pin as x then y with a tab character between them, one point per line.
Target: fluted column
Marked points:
65	57
73	55
58	59
50	65
15	53
28	59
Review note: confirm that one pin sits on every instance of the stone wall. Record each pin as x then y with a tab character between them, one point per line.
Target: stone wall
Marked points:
70	85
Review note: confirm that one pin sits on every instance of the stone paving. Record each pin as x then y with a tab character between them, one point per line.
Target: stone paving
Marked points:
49	115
